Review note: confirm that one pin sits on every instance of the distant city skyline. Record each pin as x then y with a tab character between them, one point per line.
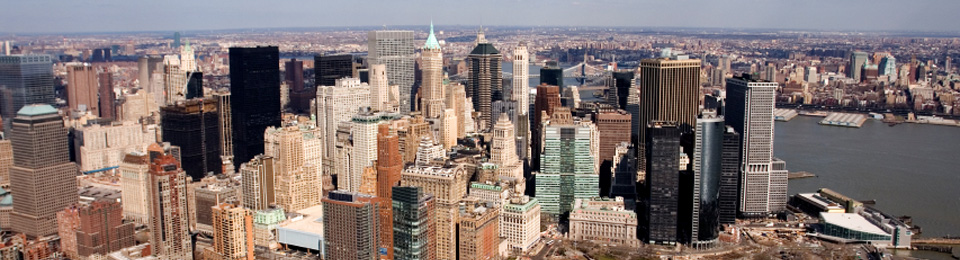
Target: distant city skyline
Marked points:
61	16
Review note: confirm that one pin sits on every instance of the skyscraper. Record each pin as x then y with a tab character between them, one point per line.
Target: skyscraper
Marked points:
82	88
568	168
448	185
169	227
547	99
337	104
232	232
730	177
749	111
479	231
351	226
857	60
619	89
108	100
42	174
258	177
293	74
389	168
414	225
670	91
6	161
551	75
255	92
431	90
193	125
330	68
297	149
521	78
380	100
663	183
612	126
503	153
395	49
624	183
364	131
485	83
29	80
707	174
94	228
135	186
521	223
225	124
888	66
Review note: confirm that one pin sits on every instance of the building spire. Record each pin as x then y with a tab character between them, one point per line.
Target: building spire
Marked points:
432	43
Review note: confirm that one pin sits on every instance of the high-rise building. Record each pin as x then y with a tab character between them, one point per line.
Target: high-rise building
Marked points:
297	149
42	175
457	100
225	125
485	84
619	88
663	183
611	125
194	126
337	104
82	88
258	177
207	196
395	49
448	185
99	146
26	79
521	79
551	75
232	232
293	74
479	232
380	100
503	153
170	234
448	128
624	183
388	169
670	92
135	186
92	229
730	177
351	226
255	94
603	219
749	111
363	131
107	99
888	66
707	174
414	226
330	68
431	91
547	99
857	60
568	168
521	223
6	161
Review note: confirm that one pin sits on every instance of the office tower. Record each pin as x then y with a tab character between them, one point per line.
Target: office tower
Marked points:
150	77
456	99
293	74
485	83
42	175
707	174
92	229
624	183
670	91
431	91
551	75
612	126
6	161
389	168
503	153
330	68
225	124
570	97
176	40
336	104
448	185
380	100
521	223
174	80
193	125
232	232
663	183
205	198
363	130
730	177
503	108
194	85
258	177
619	88
888	66
547	99
135	186
101	146
395	49
603	219
521	78
778	185
29	80
170	237
255	98
568	168
857	60
479	232
410	130
749	110
344	156
351	226
82	88
414	224
448	128
297	151
428	152
107	100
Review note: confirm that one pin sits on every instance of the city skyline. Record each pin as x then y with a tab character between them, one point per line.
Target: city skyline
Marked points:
855	15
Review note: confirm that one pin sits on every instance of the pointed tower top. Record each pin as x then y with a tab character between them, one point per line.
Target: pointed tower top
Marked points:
432	43
481	37
187	47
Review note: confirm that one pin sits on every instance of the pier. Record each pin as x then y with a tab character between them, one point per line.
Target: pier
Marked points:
844	119
784	115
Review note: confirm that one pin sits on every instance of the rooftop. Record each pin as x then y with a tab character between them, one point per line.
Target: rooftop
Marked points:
36	110
851	221
311	220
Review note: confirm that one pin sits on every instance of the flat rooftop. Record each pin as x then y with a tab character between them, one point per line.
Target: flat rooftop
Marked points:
851	221
311	220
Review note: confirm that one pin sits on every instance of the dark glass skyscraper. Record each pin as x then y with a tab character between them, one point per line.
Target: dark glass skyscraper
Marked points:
729	177
552	75
330	68
193	125
25	80
194	85
485	84
255	88
707	172
413	224
619	89
663	183
625	178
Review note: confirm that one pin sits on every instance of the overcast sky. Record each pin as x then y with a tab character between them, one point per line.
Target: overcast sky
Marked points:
68	16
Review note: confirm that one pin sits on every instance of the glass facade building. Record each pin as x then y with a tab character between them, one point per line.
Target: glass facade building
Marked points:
567	168
255	91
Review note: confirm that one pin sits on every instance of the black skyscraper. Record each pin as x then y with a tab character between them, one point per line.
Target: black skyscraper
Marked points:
619	90
330	68
255	91
730	176
552	75
663	183
194	126
625	178
194	85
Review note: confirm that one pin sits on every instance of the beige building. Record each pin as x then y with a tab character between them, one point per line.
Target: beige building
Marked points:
603	220
257	182
456	99
336	104
103	146
232	232
520	223
134	180
448	186
6	161
671	92
298	179
431	91
503	153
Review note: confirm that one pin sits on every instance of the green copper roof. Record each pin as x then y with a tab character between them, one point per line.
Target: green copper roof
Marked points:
7	200
36	110
432	43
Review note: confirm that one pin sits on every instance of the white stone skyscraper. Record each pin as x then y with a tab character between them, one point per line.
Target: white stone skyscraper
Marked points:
749	111
503	151
336	104
380	89
395	49
521	79
431	90
364	130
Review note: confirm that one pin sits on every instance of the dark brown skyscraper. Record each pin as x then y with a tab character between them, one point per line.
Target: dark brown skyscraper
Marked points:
613	126
485	84
96	228
351	226
389	167
42	177
547	99
255	92
669	91
108	101
294	75
82	88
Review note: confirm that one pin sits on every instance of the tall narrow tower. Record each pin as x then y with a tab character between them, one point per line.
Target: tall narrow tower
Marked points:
749	111
432	89
485	83
521	79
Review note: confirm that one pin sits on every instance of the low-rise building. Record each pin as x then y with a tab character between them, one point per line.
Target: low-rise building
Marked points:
603	220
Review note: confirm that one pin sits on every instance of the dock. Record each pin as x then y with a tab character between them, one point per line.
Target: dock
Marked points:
784	115
800	175
844	120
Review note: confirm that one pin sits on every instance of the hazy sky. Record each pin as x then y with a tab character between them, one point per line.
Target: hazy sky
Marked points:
53	16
